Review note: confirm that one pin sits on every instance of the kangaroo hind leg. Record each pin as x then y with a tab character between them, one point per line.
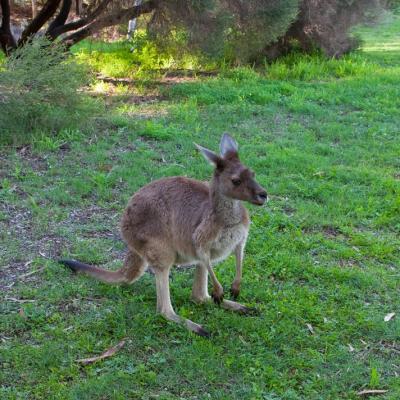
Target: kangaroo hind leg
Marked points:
164	305
134	267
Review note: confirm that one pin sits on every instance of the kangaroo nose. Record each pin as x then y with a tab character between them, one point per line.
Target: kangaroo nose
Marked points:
262	196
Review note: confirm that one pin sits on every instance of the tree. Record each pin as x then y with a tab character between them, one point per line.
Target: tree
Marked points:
237	29
55	14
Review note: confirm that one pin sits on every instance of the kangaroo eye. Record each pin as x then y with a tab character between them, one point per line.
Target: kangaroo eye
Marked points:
236	181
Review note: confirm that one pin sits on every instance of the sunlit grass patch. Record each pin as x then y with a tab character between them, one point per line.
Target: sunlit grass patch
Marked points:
137	59
318	67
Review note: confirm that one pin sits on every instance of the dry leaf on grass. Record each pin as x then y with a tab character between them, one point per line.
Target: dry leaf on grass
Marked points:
371	392
43	255
110	352
310	328
389	316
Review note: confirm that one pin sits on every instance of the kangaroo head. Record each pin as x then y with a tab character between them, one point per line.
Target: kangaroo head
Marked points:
234	180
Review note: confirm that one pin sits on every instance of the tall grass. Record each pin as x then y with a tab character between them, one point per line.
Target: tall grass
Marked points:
305	67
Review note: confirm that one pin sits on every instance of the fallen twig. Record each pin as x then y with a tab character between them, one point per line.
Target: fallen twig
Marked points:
44	255
32	272
110	352
19	300
371	392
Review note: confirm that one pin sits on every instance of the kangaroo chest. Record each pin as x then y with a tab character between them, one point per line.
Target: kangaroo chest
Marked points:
226	241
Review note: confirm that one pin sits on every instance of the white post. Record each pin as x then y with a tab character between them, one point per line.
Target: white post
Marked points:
132	25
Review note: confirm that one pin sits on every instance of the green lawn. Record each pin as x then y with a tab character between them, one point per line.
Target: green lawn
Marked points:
322	260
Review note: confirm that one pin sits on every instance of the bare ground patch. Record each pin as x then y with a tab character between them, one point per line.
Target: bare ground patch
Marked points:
32	247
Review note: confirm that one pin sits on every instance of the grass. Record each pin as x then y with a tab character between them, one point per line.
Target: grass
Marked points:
323	254
119	61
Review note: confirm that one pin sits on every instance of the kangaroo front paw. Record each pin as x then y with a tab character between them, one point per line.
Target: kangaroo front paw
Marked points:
235	290
217	295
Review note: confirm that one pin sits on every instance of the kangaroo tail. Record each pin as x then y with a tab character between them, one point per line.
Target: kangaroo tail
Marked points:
96	272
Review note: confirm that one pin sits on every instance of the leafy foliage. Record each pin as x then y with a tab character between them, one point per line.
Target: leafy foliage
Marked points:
326	26
243	31
40	92
237	30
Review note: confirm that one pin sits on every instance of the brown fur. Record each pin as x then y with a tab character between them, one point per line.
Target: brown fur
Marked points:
182	221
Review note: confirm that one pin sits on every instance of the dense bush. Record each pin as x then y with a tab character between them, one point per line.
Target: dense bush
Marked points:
325	25
247	31
393	5
39	92
235	29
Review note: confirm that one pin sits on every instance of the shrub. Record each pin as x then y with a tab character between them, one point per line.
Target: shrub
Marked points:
39	92
325	25
234	30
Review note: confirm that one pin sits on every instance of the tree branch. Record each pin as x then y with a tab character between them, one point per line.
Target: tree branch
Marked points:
47	11
114	18
81	22
7	40
60	19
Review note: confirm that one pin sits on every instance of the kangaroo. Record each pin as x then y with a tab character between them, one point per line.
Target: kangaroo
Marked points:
182	221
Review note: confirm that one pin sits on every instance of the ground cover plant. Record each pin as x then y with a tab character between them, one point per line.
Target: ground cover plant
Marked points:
322	262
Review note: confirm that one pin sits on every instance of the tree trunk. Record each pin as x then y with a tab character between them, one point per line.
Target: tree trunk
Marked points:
7	40
98	15
78	7
60	19
114	18
47	11
34	8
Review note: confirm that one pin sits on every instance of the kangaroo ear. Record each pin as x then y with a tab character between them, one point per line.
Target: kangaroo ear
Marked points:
210	156
228	145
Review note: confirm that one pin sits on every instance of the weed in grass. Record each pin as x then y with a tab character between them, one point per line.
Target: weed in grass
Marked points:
155	130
